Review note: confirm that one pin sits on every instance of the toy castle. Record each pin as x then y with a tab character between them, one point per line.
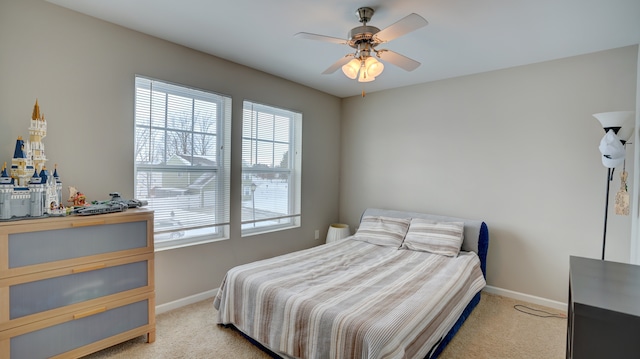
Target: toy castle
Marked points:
29	190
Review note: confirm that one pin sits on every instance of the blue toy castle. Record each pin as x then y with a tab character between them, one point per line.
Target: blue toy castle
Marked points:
29	190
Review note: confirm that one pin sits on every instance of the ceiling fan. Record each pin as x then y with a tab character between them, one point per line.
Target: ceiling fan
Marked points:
362	64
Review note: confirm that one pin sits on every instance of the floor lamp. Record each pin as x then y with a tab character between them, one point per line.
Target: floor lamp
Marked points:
618	127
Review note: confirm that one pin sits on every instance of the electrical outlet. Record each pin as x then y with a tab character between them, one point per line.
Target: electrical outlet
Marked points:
317	234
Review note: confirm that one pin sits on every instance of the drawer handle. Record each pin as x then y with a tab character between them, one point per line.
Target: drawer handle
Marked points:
89	312
88	268
86	224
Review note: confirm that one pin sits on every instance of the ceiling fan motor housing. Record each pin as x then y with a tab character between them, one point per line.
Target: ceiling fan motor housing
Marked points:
361	34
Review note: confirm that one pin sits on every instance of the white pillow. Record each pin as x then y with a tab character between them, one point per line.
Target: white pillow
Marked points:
383	231
443	238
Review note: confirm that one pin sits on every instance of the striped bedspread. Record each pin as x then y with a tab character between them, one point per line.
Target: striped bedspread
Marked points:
349	299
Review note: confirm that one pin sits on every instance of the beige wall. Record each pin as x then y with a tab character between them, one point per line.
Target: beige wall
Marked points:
82	71
517	148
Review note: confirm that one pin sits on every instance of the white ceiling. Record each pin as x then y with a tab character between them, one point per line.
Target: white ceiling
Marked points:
463	36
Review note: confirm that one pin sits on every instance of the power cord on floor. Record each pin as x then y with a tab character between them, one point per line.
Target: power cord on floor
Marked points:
537	312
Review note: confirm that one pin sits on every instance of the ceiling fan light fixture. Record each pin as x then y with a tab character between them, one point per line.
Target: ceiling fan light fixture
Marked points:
373	66
351	69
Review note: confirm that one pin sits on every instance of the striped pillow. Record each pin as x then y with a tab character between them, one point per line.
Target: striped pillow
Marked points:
383	231
440	238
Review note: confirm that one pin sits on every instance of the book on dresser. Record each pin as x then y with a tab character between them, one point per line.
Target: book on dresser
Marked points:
70	286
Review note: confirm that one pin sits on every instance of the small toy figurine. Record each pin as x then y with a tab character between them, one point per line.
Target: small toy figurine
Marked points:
58	210
76	197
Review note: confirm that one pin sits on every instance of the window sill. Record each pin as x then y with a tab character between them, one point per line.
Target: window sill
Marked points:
160	247
268	230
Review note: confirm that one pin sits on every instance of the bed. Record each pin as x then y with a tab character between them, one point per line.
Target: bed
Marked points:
400	287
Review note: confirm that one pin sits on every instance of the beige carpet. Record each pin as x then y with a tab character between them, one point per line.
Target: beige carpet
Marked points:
495	330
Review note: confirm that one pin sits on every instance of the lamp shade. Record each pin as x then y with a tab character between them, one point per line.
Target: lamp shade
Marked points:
373	66
622	123
337	231
351	68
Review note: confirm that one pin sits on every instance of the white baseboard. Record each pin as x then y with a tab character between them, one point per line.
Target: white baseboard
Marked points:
526	298
162	308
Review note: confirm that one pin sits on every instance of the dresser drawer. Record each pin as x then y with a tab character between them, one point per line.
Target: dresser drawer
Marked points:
94	329
35	296
33	247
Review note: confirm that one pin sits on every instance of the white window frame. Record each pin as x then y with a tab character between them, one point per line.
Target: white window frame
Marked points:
191	219
268	216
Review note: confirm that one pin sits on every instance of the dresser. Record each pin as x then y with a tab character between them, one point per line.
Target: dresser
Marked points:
70	286
603	309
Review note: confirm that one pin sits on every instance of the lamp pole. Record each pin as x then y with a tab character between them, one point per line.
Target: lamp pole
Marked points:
606	211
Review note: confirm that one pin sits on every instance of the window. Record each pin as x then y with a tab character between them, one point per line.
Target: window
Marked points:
182	164
271	168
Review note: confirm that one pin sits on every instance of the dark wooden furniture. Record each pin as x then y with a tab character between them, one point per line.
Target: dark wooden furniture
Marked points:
603	309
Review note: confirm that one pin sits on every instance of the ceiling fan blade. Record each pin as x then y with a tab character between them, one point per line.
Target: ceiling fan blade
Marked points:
398	60
401	27
310	36
338	64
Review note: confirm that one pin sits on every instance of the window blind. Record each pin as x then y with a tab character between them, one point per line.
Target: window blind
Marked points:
271	167
182	161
